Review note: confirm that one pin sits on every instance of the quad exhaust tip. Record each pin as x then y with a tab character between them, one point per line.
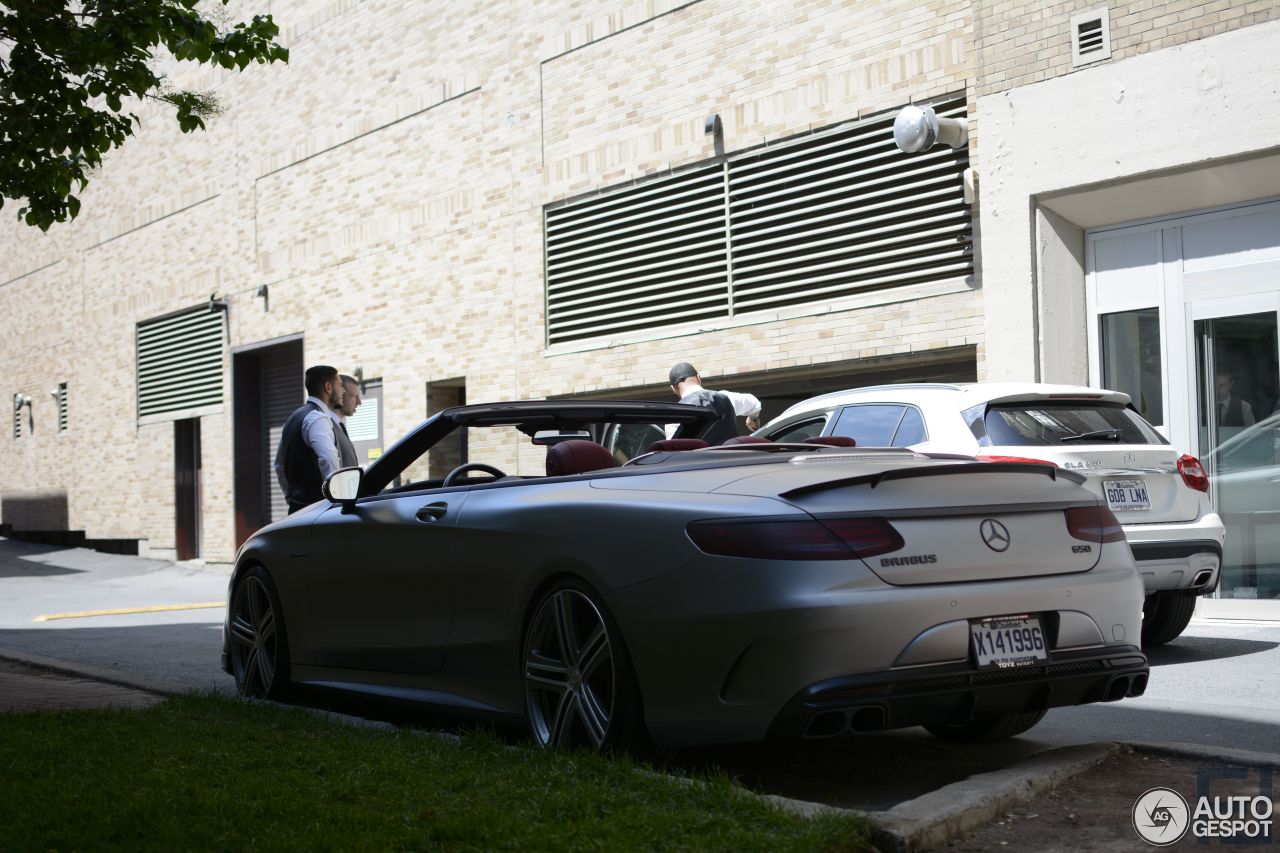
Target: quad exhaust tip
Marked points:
1123	686
857	720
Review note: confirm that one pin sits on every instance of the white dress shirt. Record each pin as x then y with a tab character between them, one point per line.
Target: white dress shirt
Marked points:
318	426
743	404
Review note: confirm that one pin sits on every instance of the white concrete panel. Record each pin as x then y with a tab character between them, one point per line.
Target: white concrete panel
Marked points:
1127	271
1168	109
1252	236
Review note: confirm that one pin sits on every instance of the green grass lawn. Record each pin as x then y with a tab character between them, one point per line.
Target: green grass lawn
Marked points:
203	773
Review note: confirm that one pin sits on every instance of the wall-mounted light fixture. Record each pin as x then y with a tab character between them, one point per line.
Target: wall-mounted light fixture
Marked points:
714	128
918	129
264	293
216	304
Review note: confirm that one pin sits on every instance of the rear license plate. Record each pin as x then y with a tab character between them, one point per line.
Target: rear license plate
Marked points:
1127	494
1002	642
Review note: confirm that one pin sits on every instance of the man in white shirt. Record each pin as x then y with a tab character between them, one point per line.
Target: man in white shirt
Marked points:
308	451
729	405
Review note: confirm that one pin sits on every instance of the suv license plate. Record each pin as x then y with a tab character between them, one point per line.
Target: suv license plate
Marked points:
1126	495
1002	642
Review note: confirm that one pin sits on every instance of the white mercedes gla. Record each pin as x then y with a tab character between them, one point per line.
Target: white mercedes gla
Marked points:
1160	496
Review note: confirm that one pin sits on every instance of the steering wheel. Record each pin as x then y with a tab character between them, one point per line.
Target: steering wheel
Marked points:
457	473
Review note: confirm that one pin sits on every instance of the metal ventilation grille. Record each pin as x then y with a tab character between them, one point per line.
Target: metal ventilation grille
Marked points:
180	362
811	219
844	212
647	256
17	416
1089	35
62	407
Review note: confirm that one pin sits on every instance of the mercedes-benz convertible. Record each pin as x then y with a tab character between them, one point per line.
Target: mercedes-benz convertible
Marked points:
621	595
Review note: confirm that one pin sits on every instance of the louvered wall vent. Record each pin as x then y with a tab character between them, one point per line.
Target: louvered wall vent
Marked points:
180	359
650	255
17	416
62	406
806	220
1090	37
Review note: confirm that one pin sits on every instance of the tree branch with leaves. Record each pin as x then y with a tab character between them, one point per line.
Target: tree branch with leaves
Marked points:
67	70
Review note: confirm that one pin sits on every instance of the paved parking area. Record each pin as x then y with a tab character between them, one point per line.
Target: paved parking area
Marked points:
24	688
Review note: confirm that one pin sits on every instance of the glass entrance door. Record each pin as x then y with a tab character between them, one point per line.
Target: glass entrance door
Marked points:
1237	368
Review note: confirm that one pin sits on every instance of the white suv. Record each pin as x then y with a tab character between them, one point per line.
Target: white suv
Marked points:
1160	496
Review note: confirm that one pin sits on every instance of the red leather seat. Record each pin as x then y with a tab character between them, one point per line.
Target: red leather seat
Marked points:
677	444
746	439
832	440
577	457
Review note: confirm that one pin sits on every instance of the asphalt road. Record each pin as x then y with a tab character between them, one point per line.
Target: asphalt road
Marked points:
1215	686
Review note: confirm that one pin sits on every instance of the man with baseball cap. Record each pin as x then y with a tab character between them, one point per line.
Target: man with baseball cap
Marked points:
728	405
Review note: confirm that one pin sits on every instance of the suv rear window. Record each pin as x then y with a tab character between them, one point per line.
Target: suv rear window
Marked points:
1048	423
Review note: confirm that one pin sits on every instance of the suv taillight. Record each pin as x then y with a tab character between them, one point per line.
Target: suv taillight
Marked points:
830	539
1193	473
1094	524
1022	459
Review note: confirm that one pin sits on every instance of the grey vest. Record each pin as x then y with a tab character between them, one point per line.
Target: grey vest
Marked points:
346	450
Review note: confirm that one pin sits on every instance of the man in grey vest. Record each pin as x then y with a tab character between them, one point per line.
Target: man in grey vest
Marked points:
728	405
350	402
308	451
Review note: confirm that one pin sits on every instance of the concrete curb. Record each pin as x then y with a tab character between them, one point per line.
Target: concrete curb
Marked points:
936	817
80	670
1224	754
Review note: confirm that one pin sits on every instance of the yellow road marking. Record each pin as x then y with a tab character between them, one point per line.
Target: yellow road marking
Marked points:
124	611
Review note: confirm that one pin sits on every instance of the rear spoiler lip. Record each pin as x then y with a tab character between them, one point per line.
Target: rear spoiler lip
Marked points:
1053	472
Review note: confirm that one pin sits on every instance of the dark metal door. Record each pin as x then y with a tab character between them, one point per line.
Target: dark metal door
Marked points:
186	456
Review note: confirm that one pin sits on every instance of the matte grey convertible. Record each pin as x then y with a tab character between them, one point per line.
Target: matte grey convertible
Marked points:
692	595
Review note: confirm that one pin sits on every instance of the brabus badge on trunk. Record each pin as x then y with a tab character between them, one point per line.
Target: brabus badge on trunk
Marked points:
994	534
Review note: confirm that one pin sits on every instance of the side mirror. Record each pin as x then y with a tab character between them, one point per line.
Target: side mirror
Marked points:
343	486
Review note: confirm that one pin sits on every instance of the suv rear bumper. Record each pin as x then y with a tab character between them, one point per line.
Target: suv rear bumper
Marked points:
958	693
1186	556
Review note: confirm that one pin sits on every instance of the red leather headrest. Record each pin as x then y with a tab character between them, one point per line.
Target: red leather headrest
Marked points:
677	444
746	439
577	457
832	440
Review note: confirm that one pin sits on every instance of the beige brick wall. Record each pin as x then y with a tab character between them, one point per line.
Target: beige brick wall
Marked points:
1026	41
388	186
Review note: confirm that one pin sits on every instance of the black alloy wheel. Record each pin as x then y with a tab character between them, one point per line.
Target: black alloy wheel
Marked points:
1165	615
580	690
258	646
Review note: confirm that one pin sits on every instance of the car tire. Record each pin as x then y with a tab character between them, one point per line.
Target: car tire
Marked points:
997	727
1165	616
580	687
258	643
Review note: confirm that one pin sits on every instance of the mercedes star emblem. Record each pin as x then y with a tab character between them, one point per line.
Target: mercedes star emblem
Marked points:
995	534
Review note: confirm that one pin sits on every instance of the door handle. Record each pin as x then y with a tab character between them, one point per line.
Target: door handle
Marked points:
432	512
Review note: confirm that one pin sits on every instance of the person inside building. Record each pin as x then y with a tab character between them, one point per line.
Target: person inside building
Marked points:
351	400
308	451
1233	410
728	405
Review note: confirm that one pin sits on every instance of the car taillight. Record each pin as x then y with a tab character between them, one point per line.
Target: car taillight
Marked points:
1094	524
866	537
831	539
1193	473
1024	459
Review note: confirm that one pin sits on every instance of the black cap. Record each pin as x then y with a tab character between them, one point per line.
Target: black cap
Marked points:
681	372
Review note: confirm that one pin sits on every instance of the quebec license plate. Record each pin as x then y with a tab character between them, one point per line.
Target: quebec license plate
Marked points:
1127	494
1003	642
